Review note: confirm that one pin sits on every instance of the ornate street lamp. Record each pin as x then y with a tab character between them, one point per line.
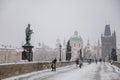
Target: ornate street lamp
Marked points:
60	46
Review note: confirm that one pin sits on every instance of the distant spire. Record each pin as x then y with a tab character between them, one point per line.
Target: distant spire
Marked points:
107	30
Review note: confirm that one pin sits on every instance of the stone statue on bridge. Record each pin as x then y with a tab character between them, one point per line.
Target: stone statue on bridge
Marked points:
28	32
27	54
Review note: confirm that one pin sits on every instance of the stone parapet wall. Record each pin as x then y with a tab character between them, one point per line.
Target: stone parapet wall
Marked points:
116	63
9	70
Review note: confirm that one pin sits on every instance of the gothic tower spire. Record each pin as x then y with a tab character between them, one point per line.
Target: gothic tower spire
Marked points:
107	30
108	42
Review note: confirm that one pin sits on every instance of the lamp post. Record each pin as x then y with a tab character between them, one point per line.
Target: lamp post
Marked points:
60	46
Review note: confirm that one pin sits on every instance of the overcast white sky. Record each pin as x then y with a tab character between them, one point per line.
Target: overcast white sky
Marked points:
51	19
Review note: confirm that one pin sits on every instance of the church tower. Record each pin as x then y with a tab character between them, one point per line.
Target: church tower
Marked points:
107	31
108	42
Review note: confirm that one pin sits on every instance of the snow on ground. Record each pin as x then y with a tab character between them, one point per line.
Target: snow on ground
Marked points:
87	72
100	71
109	72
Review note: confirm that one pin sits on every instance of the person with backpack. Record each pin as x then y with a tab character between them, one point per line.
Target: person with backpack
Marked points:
53	66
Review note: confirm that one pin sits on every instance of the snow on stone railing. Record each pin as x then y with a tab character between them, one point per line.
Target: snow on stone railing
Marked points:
14	69
116	63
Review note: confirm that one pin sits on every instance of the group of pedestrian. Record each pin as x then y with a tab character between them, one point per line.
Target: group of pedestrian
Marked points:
77	61
100	60
53	65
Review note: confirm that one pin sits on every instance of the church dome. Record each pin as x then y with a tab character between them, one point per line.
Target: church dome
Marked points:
76	37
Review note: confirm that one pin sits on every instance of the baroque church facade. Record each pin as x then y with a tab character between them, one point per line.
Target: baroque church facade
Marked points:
76	43
76	46
108	42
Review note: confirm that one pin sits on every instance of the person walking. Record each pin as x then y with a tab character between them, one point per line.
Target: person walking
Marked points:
96	61
80	64
100	60
53	66
77	62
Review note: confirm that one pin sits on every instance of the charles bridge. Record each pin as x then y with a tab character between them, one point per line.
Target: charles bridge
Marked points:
9	70
15	69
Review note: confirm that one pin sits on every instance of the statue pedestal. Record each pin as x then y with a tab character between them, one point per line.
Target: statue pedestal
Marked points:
27	54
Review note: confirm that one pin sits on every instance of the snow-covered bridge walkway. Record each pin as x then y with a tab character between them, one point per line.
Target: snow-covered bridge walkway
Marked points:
100	71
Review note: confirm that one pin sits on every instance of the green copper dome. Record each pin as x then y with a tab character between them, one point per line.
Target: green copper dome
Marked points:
75	37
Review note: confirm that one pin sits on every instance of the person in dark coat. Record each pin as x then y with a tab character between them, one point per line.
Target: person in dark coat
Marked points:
96	61
80	64
100	60
77	61
53	66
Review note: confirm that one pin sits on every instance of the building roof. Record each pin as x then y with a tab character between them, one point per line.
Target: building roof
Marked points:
76	37
107	31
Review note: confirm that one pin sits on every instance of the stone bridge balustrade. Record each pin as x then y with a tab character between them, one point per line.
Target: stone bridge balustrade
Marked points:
14	69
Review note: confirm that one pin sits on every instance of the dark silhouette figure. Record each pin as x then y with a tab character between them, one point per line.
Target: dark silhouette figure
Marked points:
100	60
53	66
96	61
77	61
80	64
